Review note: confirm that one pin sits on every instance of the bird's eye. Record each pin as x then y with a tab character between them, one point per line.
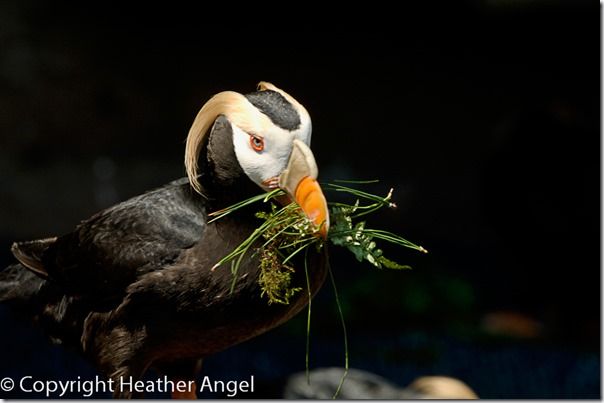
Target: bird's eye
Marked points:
257	143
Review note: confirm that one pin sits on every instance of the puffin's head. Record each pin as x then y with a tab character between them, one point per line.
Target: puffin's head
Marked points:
270	139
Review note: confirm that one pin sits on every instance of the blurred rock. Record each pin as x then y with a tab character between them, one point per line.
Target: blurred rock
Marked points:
324	382
365	385
440	387
511	324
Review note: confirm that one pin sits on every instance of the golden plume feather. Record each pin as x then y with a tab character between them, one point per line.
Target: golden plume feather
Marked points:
237	109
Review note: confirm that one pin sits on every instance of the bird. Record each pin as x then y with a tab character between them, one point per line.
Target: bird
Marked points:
132	287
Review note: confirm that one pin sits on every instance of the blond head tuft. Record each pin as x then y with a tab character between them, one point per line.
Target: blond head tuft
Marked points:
237	109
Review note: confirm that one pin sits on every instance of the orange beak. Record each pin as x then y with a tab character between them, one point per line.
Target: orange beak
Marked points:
309	197
299	180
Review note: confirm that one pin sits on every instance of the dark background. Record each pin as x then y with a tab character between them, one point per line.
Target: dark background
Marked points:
484	118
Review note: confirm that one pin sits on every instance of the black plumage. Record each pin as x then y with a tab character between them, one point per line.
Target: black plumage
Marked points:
276	107
132	286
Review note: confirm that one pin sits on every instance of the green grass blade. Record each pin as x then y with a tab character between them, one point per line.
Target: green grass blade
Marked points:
301	248
265	197
345	333
307	317
358	193
362	182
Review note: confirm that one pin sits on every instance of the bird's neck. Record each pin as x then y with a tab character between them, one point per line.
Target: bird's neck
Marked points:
223	188
222	194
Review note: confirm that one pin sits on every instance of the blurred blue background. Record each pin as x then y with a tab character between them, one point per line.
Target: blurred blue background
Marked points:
484	118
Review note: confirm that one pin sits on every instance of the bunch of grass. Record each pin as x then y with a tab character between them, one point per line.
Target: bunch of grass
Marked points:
286	232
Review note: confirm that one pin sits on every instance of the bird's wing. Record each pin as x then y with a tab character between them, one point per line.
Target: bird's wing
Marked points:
107	252
30	254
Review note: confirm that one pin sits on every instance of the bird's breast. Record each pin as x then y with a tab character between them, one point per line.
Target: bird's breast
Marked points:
216	308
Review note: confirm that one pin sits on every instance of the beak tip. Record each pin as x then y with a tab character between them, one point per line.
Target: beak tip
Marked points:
310	198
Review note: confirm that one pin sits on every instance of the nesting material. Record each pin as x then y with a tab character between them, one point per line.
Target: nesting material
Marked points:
285	232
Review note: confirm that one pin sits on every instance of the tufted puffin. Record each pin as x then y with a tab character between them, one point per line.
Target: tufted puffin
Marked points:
132	287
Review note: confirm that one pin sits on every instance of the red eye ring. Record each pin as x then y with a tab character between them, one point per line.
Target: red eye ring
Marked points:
257	143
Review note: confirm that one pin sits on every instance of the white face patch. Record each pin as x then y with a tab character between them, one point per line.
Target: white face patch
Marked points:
260	166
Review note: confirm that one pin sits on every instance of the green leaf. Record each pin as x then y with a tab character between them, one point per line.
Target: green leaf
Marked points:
389	264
